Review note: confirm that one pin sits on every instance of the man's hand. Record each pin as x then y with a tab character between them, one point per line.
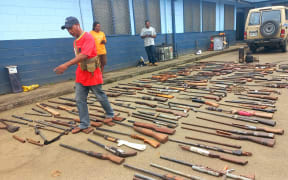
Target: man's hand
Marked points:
60	69
103	42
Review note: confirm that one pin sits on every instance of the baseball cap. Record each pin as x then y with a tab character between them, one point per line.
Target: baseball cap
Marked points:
69	22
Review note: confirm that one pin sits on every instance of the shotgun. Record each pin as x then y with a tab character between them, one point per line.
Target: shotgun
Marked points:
197	100
205	97
112	158
237	152
139	102
248	127
155	121
166	111
212	155
247	133
158	95
163	138
242	113
151	142
114	150
153	127
148	98
164	177
258	140
195	167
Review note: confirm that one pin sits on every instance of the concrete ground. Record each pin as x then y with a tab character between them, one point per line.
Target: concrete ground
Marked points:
27	161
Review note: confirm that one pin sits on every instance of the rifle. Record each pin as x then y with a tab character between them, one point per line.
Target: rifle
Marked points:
259	93
153	127
35	114
127	88
214	142
250	107
237	152
49	110
63	103
51	125
218	95
137	85
187	105
123	105
195	167
164	177
242	113
148	98
166	111
142	177
205	97
197	100
247	133
151	142
263	141
261	100
67	124
139	102
12	121
163	138
22	118
112	158
114	150
157	94
175	172
261	97
251	103
176	118
248	127
212	155
155	120
140	147
242	118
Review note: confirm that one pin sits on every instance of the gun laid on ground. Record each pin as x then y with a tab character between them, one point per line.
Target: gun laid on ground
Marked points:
212	155
166	111
248	127
140	147
197	100
195	167
243	113
258	140
163	138
148	98
112	158
157	94
139	102
151	142
247	133
164	177
237	152
114	150
153	127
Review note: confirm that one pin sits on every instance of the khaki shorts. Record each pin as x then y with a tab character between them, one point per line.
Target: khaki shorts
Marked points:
103	59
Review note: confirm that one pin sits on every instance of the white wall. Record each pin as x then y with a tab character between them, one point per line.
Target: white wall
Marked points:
40	19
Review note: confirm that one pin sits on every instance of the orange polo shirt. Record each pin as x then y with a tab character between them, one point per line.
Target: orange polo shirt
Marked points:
86	45
99	36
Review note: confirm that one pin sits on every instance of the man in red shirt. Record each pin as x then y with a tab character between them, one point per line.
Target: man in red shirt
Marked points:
84	47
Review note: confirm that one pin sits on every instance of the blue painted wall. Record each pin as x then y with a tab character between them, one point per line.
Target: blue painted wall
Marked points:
30	37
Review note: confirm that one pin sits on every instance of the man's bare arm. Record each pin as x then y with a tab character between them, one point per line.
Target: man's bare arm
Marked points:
63	67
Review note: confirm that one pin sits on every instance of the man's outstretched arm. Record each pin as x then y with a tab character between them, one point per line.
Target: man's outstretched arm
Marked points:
63	67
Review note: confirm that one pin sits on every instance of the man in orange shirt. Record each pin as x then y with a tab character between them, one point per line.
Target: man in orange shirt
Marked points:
88	77
100	41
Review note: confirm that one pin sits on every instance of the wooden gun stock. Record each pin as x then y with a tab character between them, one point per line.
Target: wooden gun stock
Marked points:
160	137
262	114
151	142
211	104
49	110
154	127
271	130
110	157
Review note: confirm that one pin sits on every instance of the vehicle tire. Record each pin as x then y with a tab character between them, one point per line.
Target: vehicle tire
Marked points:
253	49
284	47
269	29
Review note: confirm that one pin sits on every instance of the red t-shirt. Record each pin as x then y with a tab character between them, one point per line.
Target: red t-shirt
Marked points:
86	45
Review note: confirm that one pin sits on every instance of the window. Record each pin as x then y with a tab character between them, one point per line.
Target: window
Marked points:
286	14
191	16
254	18
147	9
209	16
271	16
228	17
114	18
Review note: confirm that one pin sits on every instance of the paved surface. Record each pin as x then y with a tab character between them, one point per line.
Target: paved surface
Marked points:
9	101
27	161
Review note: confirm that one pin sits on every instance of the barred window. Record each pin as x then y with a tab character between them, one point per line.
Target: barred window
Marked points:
191	16
229	17
114	18
209	16
147	9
